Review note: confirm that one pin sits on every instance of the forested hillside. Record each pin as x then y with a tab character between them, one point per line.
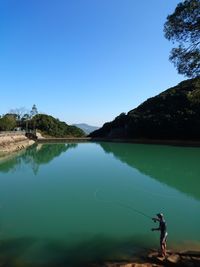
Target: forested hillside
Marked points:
173	114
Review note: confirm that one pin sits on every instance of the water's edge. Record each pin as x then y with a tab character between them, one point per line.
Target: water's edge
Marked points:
189	143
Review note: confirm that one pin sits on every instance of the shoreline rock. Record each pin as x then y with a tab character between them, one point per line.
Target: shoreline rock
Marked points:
153	259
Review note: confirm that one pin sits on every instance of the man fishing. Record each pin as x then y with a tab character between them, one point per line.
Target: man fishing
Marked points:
163	232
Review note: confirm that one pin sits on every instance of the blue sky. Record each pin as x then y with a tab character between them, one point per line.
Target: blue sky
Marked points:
83	60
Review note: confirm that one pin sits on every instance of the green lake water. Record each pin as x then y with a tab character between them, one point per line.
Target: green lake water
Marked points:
68	204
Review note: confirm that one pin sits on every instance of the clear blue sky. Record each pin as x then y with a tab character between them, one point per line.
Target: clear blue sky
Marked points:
83	60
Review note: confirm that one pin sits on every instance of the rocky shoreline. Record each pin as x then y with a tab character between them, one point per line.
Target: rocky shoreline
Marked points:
152	259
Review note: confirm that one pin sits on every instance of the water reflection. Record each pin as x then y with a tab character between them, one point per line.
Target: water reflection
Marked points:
35	156
41	217
10	163
177	167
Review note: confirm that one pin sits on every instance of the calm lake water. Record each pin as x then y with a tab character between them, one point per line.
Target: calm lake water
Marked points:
68	204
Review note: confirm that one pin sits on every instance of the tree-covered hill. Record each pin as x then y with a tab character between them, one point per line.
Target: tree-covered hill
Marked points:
46	124
50	126
173	114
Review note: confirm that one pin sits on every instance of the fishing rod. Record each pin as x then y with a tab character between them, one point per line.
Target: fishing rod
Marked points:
119	203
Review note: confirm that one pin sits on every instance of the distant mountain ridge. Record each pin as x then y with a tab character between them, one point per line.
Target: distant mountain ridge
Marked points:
172	114
86	128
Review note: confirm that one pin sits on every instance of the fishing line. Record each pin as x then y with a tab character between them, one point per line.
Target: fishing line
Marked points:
138	188
153	194
119	203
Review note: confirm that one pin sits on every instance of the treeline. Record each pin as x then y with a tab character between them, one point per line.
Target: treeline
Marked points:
46	124
173	114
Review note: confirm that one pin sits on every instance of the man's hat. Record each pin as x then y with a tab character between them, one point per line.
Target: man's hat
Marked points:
159	215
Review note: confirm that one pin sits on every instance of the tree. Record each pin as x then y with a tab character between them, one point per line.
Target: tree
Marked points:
34	111
183	27
18	112
7	123
25	121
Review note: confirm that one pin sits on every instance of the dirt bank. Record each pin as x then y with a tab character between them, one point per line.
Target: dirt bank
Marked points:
13	142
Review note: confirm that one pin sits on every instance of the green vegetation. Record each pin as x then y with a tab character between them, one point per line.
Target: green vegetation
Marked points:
50	126
46	124
173	114
183	27
8	122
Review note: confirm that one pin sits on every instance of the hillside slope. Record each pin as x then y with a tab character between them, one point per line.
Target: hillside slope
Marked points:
173	114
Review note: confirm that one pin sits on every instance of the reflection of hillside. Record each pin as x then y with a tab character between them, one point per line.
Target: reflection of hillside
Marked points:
47	152
36	156
9	163
177	167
